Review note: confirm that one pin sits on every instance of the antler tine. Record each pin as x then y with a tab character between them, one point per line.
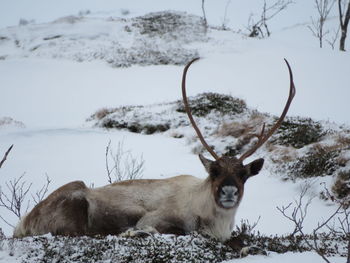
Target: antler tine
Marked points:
263	138
188	111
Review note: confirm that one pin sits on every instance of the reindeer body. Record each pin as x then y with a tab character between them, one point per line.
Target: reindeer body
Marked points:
177	205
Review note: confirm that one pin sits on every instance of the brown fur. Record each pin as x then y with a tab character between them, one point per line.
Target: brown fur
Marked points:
65	208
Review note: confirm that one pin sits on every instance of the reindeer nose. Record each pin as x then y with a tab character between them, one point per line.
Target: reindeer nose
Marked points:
229	191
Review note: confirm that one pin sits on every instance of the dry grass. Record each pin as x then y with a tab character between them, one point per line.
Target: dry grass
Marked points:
101	113
343	141
244	128
282	154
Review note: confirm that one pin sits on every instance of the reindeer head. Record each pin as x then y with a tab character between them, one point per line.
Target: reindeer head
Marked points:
228	174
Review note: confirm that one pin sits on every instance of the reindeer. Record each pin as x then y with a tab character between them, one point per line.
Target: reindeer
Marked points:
177	205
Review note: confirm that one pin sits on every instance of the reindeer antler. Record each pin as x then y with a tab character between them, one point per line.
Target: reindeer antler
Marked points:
188	111
262	138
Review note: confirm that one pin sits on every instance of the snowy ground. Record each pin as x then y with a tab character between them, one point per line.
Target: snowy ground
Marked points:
54	97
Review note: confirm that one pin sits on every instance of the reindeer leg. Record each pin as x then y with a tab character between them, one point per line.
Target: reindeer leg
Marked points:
135	232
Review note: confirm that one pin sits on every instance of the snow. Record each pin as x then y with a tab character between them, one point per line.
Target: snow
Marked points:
53	97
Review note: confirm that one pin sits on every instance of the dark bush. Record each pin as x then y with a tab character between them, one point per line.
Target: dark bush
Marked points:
317	162
202	104
298	132
135	127
112	124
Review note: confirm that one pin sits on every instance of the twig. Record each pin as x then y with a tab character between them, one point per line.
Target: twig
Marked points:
40	195
107	165
5	157
17	194
124	165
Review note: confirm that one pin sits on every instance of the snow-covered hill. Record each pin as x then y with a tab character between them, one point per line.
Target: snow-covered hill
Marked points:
57	72
155	39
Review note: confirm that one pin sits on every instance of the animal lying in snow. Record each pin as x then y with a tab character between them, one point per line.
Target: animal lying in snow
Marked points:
177	205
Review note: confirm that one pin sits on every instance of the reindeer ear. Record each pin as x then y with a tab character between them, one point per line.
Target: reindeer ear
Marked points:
206	162
255	166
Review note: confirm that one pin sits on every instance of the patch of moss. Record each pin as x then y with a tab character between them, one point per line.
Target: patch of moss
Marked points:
204	103
298	132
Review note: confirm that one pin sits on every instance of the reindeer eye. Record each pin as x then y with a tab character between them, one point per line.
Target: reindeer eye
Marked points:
242	173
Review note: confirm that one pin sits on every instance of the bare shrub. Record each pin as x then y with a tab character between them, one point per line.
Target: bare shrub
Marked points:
323	7
15	197
297	211
332	40
41	193
259	27
122	165
14	200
